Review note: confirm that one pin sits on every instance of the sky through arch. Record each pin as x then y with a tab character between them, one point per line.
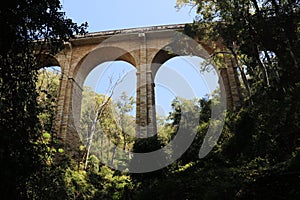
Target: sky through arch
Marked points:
113	15
181	76
178	77
105	75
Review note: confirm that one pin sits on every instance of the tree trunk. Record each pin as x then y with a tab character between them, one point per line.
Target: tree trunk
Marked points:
262	67
243	75
90	139
113	155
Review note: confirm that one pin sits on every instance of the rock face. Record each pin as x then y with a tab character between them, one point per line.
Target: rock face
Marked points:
146	49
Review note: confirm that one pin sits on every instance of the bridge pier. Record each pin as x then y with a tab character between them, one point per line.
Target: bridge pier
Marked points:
145	101
145	49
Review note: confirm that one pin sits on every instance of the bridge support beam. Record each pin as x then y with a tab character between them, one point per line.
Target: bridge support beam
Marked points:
145	101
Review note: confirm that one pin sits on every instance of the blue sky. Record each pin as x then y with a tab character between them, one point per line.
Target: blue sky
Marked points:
170	81
120	14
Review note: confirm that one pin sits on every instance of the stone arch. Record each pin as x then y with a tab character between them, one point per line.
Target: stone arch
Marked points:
169	52
98	56
50	71
161	57
146	49
204	50
85	66
46	60
166	53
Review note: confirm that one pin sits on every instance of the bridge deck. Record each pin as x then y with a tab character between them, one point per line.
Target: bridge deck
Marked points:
133	30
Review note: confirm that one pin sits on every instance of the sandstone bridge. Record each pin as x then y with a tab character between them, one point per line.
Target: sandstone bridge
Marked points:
145	49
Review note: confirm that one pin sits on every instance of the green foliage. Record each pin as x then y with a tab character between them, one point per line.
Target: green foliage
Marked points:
115	186
23	23
106	125
70	181
47	86
256	157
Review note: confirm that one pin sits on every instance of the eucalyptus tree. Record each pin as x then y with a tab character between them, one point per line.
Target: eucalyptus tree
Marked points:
262	37
106	125
96	120
126	122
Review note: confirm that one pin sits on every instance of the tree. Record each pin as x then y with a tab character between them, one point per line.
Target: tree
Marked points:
23	23
257	34
263	39
47	87
95	109
124	105
104	123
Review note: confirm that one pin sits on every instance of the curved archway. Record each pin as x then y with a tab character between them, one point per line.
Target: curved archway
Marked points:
148	47
176	72
48	88
177	48
161	57
46	60
108	108
109	73
181	76
98	56
87	64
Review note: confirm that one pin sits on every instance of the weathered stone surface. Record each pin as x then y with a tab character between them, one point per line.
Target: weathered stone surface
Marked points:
144	49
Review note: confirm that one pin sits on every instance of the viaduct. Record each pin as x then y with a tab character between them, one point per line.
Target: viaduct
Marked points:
146	49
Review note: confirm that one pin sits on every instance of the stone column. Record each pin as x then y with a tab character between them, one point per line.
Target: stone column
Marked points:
152	129
61	122
64	125
232	84
145	113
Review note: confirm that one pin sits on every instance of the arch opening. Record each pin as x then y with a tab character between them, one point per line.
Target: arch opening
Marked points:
48	88
46	60
181	78
97	57
108	109
89	62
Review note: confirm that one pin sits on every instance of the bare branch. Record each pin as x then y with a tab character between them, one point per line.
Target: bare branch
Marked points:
99	113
